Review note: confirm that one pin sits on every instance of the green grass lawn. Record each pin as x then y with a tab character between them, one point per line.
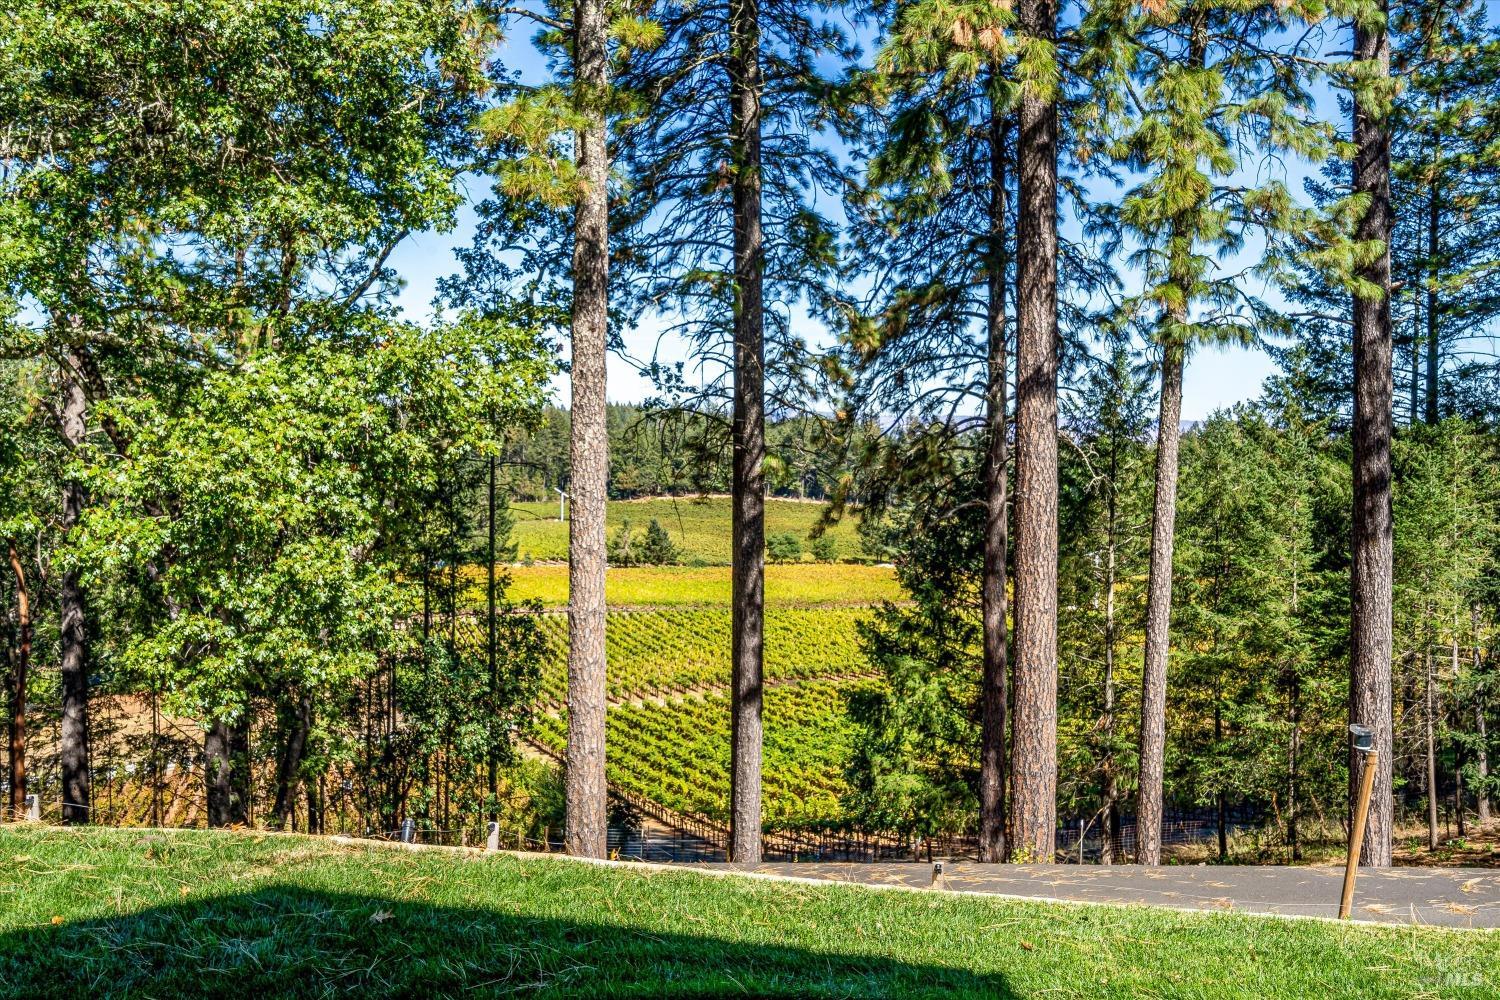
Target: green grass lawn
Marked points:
187	914
665	586
699	526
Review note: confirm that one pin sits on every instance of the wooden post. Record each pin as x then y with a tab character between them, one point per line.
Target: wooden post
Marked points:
1357	834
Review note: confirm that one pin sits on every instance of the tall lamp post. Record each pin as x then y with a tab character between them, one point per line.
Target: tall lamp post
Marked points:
1363	741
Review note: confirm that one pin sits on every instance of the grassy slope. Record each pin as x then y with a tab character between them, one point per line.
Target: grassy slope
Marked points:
664	586
189	914
699	526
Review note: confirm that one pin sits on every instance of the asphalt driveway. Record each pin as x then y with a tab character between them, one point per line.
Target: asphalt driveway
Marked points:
1449	897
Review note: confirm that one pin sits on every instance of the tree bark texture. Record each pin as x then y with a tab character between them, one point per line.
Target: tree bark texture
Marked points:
73	658
1371	551
996	677
1433	274
749	431
1109	848
586	791
1033	770
1159	612
1482	750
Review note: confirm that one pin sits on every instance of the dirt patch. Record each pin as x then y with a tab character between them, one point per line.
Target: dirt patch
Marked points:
1476	849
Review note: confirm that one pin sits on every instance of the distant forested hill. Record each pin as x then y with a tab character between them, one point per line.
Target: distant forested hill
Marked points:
654	453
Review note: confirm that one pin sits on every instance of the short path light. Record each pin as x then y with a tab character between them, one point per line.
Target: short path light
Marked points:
939	880
1363	740
408	830
492	837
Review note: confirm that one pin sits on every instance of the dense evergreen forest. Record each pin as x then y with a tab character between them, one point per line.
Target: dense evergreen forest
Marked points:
672	452
940	267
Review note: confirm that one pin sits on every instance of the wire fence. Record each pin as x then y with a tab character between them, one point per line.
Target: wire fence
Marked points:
657	840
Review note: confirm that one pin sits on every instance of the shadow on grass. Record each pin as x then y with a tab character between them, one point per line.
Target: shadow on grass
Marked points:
291	942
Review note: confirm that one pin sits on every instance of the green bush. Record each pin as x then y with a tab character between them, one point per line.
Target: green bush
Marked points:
825	549
622	549
656	548
784	548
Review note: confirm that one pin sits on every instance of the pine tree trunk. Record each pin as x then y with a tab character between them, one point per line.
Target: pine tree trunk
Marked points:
1033	767
1482	754
1429	726
18	674
1458	762
749	484
587	829
1109	848
73	658
1433	215
1111	808
996	482
1371	553
1159	612
217	773
1221	800
1416	364
1482	765
1294	751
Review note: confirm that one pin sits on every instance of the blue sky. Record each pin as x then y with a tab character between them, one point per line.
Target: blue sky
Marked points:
1216	377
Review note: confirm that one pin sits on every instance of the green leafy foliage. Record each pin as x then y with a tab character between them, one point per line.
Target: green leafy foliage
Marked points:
653	548
259	589
784	547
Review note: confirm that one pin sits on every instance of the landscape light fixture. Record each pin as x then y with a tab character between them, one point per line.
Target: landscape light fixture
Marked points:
1363	738
1362	741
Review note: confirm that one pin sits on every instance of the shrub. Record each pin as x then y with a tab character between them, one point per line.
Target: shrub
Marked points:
825	548
622	550
785	547
656	548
